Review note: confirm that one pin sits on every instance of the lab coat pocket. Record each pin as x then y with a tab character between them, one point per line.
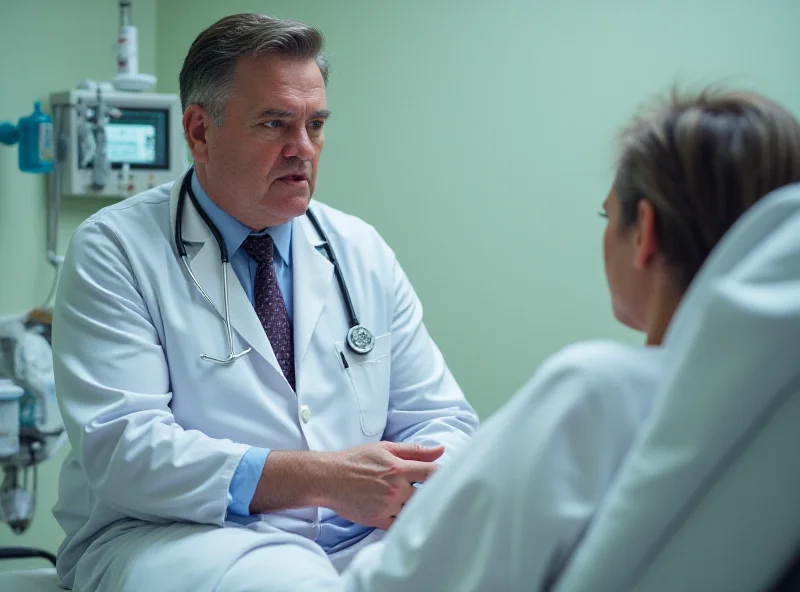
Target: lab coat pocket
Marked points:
369	376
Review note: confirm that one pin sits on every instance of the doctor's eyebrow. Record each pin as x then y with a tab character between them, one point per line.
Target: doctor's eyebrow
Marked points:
284	114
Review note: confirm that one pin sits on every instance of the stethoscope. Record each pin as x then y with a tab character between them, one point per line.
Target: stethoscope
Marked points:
359	338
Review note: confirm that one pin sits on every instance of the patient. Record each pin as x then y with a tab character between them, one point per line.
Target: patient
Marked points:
509	509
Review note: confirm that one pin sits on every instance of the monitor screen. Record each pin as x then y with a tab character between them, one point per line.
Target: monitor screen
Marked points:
134	143
139	138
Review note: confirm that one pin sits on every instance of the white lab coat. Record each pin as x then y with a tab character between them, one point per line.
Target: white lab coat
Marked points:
157	433
505	514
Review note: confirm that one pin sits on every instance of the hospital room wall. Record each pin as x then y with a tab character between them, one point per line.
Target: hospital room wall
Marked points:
48	46
478	138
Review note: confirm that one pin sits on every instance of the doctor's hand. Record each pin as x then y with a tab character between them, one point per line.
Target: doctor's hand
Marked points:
369	484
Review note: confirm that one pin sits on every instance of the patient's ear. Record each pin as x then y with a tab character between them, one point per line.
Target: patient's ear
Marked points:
646	247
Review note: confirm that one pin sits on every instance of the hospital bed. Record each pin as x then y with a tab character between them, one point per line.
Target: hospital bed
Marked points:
708	500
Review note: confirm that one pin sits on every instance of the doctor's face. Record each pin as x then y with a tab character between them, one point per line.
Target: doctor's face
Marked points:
260	165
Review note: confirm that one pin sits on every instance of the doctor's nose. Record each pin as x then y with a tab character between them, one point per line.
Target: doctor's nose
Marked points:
299	146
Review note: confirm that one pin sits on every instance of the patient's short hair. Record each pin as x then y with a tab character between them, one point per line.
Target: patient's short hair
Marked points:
701	160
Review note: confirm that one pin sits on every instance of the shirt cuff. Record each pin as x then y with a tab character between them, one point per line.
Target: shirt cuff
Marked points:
245	480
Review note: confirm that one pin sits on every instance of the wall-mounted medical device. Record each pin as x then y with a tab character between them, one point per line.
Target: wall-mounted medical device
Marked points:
116	144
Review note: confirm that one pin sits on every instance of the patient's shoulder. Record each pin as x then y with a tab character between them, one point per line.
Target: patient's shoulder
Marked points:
604	360
598	377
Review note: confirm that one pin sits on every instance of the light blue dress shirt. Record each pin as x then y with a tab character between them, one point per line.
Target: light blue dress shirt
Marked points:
335	533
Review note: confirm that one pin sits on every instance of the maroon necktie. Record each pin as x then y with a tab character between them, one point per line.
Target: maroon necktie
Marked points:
269	304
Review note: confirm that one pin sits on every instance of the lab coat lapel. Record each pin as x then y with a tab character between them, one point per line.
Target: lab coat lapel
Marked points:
207	269
311	276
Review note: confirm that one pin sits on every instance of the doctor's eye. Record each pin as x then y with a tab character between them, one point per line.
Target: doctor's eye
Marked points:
316	125
273	124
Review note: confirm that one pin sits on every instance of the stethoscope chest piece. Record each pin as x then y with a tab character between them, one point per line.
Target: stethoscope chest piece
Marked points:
360	339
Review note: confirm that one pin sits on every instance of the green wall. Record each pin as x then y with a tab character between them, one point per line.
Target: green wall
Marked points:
476	136
48	46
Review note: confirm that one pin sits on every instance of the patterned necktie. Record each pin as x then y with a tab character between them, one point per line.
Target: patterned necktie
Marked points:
269	304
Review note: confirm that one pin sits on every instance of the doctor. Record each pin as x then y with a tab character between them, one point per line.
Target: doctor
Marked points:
235	422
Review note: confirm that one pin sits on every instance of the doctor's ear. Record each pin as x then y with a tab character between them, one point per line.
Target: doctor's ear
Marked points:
646	235
195	128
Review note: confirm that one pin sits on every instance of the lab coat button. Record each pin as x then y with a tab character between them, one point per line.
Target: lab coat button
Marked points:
305	413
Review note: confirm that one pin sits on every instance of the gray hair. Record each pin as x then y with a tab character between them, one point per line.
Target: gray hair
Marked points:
206	78
702	160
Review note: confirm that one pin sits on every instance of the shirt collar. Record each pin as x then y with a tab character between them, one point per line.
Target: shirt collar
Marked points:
234	232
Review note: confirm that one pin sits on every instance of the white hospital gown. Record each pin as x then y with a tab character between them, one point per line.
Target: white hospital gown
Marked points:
509	509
